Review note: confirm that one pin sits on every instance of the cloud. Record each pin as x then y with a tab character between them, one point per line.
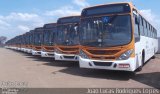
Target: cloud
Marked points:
23	28
152	18
18	23
19	16
81	3
2	23
68	10
63	11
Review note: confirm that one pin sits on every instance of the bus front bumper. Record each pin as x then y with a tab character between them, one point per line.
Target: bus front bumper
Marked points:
66	57
25	50
34	52
19	49
29	51
47	54
22	49
121	65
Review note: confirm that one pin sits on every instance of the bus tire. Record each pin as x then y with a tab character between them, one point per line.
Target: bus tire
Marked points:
153	57
142	61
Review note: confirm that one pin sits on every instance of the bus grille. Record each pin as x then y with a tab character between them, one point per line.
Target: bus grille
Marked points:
103	52
103	58
70	52
69	57
69	49
102	63
50	48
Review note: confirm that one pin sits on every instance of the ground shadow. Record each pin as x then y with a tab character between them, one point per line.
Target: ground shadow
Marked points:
103	74
150	79
20	52
97	73
72	68
68	64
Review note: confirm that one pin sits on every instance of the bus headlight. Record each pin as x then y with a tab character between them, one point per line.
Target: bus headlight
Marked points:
83	55
126	55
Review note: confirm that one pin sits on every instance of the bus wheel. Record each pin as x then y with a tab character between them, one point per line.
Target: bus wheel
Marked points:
142	61
153	57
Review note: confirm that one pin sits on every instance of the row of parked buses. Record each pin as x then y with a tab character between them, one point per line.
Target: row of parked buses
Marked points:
111	36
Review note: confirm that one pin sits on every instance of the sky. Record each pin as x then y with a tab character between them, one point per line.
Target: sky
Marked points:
20	16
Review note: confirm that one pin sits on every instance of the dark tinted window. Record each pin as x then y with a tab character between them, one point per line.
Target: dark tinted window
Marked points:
145	28
106	9
141	26
136	30
69	20
100	32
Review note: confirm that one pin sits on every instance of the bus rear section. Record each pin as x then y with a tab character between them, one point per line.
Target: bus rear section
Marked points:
48	43
111	38
67	39
37	40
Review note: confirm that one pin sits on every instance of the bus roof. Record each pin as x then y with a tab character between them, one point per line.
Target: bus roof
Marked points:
39	29
68	19
104	9
108	4
49	25
114	3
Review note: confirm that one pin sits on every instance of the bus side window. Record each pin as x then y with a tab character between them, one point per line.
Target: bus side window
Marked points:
136	28
155	34
145	26
148	30
152	32
141	26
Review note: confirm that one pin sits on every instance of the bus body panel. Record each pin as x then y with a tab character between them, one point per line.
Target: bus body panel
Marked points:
36	50
115	65
66	57
47	51
47	54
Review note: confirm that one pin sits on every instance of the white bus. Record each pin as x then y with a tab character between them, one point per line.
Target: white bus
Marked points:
48	44
67	39
116	37
37	41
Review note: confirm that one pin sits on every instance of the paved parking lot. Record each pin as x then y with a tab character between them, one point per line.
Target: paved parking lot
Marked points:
18	67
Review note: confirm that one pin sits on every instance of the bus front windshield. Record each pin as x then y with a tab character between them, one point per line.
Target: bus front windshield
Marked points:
106	31
67	35
49	36
37	38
